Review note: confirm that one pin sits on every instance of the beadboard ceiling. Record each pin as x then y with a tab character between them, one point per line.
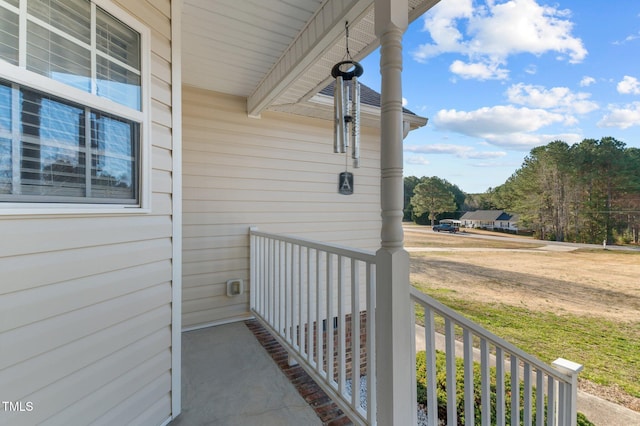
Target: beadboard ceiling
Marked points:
274	52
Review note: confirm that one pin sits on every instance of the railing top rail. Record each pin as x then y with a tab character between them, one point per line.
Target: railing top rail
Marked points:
443	310
363	255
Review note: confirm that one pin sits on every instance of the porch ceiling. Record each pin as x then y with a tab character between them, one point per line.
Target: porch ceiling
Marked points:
274	52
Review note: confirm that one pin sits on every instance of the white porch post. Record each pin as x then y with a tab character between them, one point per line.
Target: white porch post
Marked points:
394	366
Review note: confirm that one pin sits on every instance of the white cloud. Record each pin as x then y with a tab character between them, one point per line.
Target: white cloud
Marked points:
459	151
494	32
627	39
494	164
417	160
500	119
629	86
525	26
404	102
556	99
632	37
526	141
622	117
505	126
479	71
441	23
587	81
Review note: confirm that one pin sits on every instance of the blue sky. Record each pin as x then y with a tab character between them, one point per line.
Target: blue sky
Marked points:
499	77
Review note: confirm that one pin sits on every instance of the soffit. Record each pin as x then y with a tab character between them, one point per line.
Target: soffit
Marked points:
228	46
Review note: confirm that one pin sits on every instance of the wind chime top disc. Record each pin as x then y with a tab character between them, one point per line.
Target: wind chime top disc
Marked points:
347	70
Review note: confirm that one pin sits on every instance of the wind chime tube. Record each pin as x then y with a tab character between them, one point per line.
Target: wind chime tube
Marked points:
355	122
339	127
347	115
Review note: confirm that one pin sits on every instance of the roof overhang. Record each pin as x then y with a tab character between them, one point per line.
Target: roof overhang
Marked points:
322	107
273	53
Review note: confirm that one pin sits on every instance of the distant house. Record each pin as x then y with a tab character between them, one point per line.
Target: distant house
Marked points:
490	219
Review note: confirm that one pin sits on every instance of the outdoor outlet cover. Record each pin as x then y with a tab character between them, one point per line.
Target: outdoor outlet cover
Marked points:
235	287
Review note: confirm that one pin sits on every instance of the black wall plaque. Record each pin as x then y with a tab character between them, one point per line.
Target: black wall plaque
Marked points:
345	183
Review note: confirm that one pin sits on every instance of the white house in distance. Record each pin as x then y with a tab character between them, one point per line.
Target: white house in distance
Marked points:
490	219
139	142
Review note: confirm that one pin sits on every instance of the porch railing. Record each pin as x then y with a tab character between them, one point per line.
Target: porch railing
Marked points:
315	299
526	390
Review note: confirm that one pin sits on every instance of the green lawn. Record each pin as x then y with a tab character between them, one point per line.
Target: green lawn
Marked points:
609	351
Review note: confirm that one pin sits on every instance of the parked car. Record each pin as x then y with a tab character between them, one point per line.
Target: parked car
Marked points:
445	227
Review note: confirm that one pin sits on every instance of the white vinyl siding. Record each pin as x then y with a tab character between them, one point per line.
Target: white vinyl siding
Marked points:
278	173
85	300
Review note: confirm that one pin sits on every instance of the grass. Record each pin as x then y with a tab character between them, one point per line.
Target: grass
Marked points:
600	251
609	351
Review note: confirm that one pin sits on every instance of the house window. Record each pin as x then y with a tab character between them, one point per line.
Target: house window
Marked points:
72	109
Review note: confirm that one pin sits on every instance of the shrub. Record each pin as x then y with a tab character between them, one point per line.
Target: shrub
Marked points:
441	392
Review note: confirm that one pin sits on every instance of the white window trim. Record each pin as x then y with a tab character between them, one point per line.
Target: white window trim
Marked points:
32	80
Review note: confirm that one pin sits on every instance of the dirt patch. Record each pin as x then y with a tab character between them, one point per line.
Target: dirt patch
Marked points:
610	393
597	283
601	283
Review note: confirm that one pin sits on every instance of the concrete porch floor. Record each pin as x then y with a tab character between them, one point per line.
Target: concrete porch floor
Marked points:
233	375
229	379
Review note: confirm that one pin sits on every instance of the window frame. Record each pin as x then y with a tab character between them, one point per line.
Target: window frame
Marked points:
19	75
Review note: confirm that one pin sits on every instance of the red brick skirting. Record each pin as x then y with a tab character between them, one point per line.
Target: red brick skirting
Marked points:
328	412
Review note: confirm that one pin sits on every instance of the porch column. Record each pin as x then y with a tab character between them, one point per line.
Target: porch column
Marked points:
394	366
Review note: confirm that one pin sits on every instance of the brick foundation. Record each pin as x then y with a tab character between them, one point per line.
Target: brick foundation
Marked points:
328	412
348	350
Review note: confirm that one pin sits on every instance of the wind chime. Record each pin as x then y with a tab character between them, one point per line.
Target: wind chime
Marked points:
346	98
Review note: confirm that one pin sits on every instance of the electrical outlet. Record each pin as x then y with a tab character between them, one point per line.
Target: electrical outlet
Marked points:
235	287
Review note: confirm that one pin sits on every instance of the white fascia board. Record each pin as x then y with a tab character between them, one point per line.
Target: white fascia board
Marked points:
421	8
321	33
415	121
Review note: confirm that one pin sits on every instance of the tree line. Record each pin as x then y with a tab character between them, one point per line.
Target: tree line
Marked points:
429	198
586	192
